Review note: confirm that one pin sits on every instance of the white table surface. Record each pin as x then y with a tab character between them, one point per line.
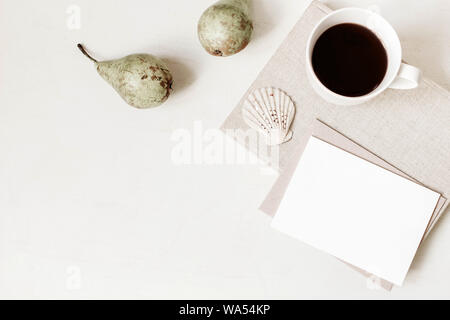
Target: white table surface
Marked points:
91	203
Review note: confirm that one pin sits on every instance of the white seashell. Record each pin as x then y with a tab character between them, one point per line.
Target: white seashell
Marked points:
270	111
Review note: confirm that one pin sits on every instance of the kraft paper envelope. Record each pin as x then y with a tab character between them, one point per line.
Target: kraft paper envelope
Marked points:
331	136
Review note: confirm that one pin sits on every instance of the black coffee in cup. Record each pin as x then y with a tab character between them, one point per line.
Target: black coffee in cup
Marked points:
350	60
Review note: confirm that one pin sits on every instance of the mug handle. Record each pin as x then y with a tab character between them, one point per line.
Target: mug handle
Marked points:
408	77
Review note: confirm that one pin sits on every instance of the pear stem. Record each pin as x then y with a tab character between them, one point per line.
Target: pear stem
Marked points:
80	46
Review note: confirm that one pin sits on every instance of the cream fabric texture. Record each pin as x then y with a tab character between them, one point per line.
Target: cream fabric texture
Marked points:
410	129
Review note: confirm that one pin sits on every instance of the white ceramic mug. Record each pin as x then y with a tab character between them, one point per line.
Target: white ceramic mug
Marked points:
398	75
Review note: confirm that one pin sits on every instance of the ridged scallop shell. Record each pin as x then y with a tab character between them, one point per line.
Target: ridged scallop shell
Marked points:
270	111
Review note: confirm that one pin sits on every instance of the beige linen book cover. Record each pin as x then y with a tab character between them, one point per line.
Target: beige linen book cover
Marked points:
408	128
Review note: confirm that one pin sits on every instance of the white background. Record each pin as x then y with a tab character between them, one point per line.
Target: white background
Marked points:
91	203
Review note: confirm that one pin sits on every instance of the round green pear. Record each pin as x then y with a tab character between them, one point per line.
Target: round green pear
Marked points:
225	28
142	80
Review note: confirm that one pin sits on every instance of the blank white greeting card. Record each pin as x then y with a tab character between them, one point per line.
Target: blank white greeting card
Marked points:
355	210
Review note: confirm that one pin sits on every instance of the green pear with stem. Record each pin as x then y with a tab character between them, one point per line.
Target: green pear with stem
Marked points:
142	80
225	28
